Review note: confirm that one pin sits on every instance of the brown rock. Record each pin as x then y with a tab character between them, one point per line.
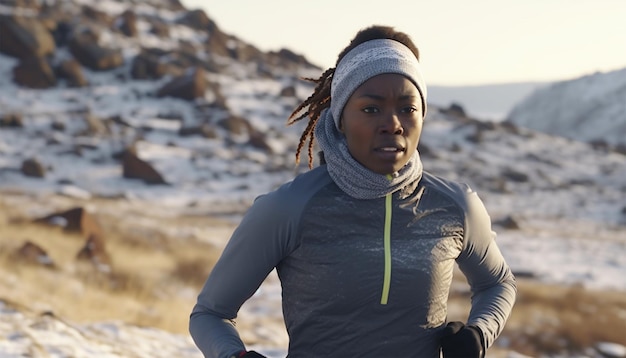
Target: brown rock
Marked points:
508	222
24	37
74	220
97	16
515	175
289	91
236	125
71	71
259	140
28	4
33	168
135	168
219	43
456	109
34	72
174	5
205	131
34	254
128	24
196	19
147	66
12	120
94	251
84	47
189	86
95	126
291	56
160	29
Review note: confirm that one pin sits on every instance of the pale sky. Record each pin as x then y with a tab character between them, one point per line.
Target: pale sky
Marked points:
461	42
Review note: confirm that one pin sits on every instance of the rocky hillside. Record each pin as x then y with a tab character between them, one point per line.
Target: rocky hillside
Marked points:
105	82
591	109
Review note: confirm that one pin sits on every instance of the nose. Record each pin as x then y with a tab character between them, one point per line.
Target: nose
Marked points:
390	124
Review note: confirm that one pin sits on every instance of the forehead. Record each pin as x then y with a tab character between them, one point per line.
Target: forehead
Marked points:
388	82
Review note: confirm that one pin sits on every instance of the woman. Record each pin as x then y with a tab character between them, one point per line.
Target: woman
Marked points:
364	244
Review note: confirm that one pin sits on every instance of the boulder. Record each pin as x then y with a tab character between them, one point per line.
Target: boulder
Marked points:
288	91
135	168
71	71
456	110
515	175
236	125
95	126
32	253
11	120
188	86
34	72
128	25
159	29
175	5
508	222
85	48
147	66
94	251
62	32
33	168
24	37
197	19
205	131
96	16
76	219
290	56
259	140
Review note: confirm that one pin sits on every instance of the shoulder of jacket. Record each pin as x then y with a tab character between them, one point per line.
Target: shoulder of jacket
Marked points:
297	192
456	191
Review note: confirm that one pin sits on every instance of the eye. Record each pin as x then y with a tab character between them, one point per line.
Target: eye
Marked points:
371	109
409	109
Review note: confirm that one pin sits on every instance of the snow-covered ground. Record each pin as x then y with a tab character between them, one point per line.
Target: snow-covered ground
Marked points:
566	197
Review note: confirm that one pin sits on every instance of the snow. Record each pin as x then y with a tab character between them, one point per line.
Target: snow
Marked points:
25	333
570	207
587	108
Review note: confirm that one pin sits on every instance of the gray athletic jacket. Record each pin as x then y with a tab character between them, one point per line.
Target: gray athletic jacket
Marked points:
360	278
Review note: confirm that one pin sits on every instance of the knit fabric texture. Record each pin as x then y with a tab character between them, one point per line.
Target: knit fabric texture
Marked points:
351	176
370	59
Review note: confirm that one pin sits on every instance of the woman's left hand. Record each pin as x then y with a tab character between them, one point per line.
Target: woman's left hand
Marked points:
461	341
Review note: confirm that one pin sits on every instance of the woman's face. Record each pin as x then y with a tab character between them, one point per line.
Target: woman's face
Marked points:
382	122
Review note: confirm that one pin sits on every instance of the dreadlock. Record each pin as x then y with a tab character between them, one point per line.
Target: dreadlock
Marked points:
312	107
319	100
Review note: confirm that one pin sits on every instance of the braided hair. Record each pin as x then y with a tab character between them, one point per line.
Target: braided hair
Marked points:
319	100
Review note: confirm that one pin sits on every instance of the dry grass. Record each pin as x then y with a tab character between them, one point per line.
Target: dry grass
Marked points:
556	320
553	319
157	273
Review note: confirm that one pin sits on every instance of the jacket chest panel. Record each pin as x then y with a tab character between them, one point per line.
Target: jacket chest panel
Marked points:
341	252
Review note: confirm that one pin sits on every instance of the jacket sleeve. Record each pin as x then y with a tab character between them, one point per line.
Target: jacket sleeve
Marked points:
490	278
261	240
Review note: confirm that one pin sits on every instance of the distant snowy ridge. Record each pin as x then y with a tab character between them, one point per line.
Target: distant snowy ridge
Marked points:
591	108
487	102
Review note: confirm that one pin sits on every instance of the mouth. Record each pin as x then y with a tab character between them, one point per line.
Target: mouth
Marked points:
390	149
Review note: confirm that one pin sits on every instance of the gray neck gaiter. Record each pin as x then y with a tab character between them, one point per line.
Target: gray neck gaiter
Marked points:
352	177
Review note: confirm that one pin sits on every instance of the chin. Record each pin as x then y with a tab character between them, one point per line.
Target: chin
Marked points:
387	169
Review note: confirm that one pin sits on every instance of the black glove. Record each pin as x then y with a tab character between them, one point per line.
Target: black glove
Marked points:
252	354
461	341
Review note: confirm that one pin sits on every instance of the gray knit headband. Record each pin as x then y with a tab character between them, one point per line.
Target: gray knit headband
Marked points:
370	59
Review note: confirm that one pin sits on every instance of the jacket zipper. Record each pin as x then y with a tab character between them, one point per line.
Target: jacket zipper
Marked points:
387	245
